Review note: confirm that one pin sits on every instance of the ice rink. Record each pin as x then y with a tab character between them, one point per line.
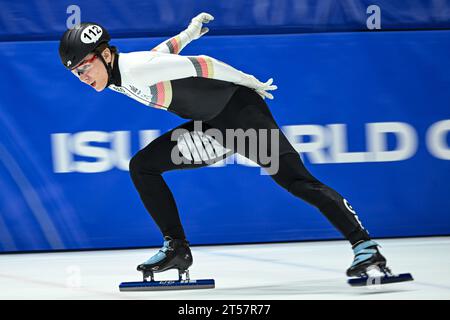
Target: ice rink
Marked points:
303	270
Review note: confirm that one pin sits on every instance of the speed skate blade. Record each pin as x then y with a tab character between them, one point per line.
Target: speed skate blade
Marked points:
167	285
370	281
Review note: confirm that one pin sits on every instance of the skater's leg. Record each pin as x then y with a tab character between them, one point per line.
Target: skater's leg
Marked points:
294	177
146	170
185	147
248	111
158	200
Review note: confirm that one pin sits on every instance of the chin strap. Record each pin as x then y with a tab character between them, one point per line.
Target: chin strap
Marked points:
107	65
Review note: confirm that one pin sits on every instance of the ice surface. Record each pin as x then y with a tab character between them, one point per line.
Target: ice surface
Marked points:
303	270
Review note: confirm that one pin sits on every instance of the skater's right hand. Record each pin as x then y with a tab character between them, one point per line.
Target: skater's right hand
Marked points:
195	29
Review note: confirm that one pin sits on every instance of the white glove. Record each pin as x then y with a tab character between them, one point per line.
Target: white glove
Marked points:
260	87
264	87
195	29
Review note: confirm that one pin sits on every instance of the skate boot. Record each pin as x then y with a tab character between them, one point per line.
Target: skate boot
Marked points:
175	254
367	256
369	267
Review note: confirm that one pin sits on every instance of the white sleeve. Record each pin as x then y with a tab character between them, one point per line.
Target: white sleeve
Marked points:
194	31
157	67
149	68
225	72
175	44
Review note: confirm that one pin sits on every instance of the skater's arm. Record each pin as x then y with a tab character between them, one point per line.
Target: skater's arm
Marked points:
149	68
194	31
223	71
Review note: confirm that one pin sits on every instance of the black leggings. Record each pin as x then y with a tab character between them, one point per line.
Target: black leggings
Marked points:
193	147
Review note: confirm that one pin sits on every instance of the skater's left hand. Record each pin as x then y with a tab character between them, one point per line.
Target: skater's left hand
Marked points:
262	89
195	29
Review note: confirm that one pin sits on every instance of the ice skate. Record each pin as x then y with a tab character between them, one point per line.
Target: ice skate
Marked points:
369	267
175	254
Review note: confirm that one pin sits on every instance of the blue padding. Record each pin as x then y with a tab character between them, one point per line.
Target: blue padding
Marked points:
31	20
339	85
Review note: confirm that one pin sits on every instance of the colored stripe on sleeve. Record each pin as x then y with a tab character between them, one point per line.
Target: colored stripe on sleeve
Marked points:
203	66
174	44
161	95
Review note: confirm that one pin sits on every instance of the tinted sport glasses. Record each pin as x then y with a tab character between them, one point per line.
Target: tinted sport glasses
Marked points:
84	66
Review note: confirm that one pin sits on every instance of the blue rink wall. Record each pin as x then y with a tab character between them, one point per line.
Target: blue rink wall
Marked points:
46	20
369	113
